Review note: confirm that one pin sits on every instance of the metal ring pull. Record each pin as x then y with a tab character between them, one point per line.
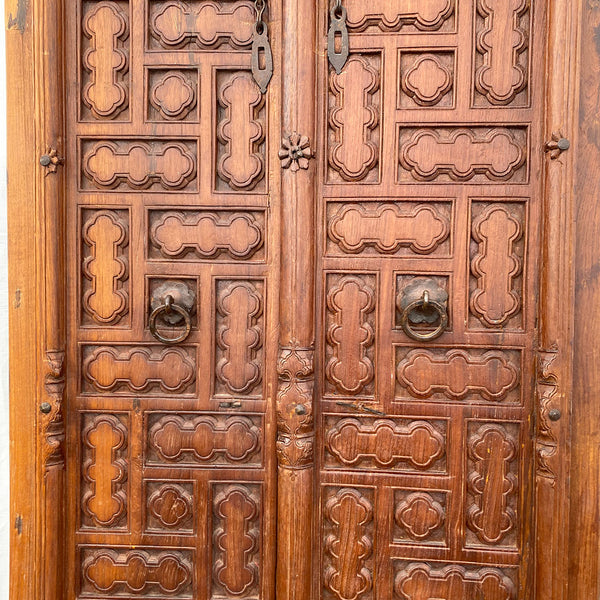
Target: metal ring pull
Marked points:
168	308
423	301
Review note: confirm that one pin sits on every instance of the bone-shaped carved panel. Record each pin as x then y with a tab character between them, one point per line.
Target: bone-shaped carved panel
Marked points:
424	15
348	543
423	582
449	154
386	443
354	118
501	40
240	131
120	572
458	374
105	59
193	440
239	336
492	484
236	536
496	265
104	500
129	370
105	266
138	165
202	25
207	235
351	333
388	227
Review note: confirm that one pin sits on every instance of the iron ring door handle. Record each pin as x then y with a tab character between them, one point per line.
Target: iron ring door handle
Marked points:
167	308
425	303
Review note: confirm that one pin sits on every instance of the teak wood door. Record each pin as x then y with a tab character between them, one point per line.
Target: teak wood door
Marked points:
305	352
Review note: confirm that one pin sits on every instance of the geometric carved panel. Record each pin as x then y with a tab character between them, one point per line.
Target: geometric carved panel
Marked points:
348	543
105	466
172	95
351	302
497	253
473	375
419	517
400	228
492	484
239	330
201	440
105	61
459	154
194	235
354	116
236	534
195	25
420	581
140	572
426	79
146	164
240	132
502	39
105	250
170	507
410	446
132	370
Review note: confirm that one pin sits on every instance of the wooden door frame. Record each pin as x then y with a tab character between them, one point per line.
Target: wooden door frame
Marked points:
37	322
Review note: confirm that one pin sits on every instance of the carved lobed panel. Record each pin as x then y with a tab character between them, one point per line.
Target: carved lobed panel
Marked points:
236	540
239	337
131	370
200	25
403	445
355	120
403	15
146	164
497	259
502	39
105	285
493	451
461	154
105	467
203	440
350	326
170	506
348	531
473	375
144	572
173	95
105	48
241	129
216	235
422	581
420	517
389	228
426	79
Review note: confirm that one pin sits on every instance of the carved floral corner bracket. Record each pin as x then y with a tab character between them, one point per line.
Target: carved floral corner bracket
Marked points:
295	430
295	152
547	393
52	410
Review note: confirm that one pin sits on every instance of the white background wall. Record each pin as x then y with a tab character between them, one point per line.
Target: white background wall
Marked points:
4	479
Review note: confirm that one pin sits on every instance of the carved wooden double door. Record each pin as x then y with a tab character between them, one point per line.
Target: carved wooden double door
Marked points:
302	322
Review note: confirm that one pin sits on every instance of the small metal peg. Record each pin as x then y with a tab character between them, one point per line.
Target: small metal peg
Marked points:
554	414
301	409
45	160
563	144
45	408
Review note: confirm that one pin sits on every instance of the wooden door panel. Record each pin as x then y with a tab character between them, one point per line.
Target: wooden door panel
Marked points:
171	471
430	170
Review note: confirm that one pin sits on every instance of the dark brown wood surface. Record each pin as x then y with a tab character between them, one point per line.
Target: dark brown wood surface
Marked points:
300	442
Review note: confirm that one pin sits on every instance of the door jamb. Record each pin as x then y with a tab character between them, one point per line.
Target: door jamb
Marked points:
35	123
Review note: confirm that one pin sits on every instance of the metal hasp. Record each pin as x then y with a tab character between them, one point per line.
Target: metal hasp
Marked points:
423	303
338	45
